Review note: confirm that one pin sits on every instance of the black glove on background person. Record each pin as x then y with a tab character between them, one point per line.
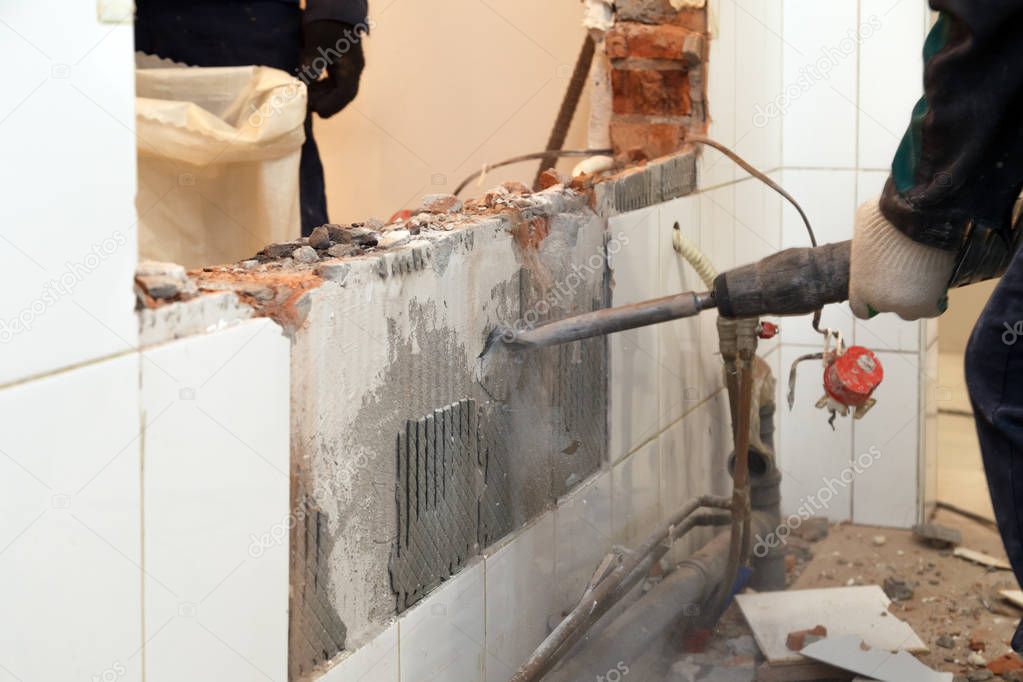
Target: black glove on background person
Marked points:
333	48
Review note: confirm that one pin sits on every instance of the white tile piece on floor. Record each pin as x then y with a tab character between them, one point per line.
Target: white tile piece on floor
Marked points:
216	486
714	168
757	83
884	332
68	300
442	637
635	495
828	197
847	653
680	384
886	448
819	81
70	554
815	460
860	610
892	45
376	661
582	526
520	598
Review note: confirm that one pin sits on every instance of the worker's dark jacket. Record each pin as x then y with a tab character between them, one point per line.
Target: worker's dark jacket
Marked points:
962	156
349	11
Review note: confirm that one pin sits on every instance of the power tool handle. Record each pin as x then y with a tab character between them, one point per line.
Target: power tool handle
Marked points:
790	282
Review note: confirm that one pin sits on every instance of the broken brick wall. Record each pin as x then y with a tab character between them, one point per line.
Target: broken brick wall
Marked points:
657	56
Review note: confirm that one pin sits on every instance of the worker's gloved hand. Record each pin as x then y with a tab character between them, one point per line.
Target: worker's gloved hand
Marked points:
333	48
891	273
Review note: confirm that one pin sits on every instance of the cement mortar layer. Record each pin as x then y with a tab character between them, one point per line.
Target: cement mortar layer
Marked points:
395	333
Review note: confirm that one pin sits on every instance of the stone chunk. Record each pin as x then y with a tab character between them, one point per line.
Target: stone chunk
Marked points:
320	238
814	529
937	535
440	203
305	254
897	589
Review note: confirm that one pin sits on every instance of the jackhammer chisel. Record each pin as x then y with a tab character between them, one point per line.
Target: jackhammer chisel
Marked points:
790	282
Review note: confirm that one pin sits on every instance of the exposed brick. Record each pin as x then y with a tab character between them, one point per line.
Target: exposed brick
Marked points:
645	41
661	12
652	92
653	139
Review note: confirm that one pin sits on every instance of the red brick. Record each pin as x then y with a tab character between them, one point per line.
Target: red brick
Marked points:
644	41
651	92
661	12
797	640
1005	664
653	139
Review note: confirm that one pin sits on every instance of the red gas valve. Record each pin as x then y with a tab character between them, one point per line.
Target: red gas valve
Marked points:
850	379
767	330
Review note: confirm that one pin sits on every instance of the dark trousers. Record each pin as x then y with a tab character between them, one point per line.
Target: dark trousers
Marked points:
237	33
994	375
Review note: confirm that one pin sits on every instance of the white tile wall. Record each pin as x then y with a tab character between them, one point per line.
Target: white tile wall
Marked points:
714	168
680	376
70	555
717	241
635	495
886	447
812	456
216	487
758	26
376	661
583	536
68	248
892	45
819	76
634	354
442	638
520	596
685	467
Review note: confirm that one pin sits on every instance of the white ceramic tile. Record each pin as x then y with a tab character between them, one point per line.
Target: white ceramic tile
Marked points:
884	332
70	555
828	197
634	386
756	221
66	300
680	380
757	83
216	486
815	460
442	637
634	265
635	495
891	76
819	77
686	468
583	534
520	598
714	168
886	448
376	661
929	451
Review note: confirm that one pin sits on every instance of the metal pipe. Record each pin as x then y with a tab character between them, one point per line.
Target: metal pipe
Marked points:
605	591
679	598
602	322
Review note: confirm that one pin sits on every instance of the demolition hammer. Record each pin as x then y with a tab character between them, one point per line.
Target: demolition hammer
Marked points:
791	282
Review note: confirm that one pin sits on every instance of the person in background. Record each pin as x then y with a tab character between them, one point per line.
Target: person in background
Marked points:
946	217
321	45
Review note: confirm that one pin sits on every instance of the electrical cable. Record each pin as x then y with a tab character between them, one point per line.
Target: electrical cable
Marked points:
531	157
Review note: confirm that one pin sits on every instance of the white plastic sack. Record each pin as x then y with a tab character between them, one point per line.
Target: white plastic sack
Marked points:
218	161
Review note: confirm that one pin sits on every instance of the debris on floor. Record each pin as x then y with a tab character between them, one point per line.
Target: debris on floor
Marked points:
982	559
937	536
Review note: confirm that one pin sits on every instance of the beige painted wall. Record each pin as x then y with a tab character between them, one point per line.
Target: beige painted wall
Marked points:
449	85
964	307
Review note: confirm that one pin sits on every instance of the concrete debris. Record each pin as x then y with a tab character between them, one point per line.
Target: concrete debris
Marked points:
342	251
945	642
320	238
897	589
282	250
975	658
813	529
164	281
936	535
440	203
1008	663
979	676
880	540
389	240
305	254
552	177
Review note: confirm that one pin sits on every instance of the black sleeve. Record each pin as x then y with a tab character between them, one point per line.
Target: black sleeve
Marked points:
961	159
352	12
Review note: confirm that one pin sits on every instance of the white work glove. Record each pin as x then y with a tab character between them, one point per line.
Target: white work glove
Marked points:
891	273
